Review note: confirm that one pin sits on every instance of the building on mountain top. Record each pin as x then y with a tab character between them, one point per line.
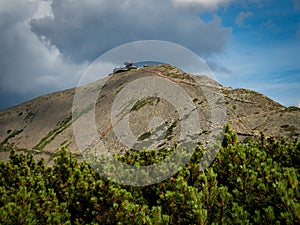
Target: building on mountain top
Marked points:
128	66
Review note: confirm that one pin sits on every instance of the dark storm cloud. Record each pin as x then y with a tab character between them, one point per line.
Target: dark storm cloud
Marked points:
83	30
27	67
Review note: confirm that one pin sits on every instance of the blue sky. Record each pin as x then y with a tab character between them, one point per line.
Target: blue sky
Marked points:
47	45
264	54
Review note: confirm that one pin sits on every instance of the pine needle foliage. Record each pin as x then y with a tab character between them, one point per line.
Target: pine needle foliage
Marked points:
248	183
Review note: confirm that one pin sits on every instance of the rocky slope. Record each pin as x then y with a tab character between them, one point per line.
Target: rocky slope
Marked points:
45	123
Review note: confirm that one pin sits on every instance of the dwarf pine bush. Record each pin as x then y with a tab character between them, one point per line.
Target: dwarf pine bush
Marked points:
252	183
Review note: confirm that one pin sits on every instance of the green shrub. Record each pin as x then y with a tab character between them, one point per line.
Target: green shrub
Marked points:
251	183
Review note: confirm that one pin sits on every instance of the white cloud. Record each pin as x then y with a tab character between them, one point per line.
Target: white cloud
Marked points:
242	17
299	104
44	9
204	4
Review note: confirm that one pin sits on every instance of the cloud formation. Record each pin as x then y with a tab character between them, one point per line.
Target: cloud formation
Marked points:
28	67
241	17
46	45
83	30
204	4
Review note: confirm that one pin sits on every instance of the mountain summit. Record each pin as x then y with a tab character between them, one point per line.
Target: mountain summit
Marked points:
46	123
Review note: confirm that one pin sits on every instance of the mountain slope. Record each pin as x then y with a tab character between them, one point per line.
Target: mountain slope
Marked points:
45	123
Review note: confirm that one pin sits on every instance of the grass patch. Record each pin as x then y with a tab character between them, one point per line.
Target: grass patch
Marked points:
146	101
61	126
11	135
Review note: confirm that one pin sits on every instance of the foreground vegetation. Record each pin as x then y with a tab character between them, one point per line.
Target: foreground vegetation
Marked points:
248	183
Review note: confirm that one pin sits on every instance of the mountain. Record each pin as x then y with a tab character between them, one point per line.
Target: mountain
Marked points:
46	123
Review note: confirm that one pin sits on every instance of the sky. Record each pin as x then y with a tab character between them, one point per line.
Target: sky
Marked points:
46	46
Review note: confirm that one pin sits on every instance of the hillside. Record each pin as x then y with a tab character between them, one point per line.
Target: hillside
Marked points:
45	123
